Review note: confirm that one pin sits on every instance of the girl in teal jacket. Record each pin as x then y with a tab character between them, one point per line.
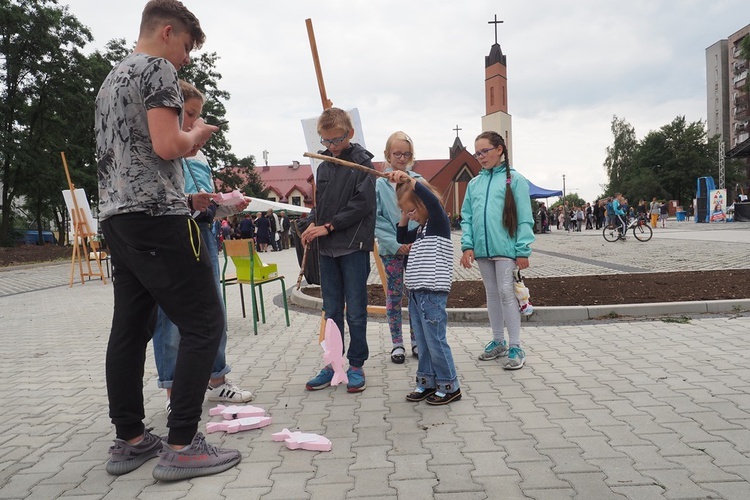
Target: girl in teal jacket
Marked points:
497	225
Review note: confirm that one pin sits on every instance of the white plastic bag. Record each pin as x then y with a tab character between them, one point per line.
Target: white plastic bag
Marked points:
522	294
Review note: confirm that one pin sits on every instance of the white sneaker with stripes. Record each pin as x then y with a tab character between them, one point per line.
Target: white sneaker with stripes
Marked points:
229	392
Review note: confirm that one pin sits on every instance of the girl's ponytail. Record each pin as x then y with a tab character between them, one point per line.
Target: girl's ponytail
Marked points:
510	214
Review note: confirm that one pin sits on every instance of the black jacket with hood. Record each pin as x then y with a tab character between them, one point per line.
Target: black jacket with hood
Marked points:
345	197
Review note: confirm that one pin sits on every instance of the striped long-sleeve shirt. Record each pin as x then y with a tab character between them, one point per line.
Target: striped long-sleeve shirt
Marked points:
430	264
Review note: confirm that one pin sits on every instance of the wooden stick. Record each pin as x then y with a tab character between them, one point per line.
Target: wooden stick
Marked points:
316	62
302	267
345	163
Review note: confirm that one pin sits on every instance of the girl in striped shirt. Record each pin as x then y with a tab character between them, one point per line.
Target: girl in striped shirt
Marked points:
428	279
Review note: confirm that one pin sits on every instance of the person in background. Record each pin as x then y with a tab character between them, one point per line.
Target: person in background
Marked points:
285	225
262	232
654	211
247	228
273	220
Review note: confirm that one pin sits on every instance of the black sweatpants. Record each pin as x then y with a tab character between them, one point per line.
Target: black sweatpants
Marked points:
160	260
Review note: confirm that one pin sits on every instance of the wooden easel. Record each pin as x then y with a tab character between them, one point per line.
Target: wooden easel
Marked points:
327	103
81	233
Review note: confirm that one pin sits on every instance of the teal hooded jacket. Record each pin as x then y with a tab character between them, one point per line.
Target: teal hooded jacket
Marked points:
482	216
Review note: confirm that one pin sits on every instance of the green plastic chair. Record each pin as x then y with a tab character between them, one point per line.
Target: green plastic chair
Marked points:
250	271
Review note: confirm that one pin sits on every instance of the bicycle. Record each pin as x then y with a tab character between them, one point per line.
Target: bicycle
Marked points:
641	230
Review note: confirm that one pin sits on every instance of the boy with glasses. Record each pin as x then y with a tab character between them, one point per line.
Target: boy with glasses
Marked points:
344	224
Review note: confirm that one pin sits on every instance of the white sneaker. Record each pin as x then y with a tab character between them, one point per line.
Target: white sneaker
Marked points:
229	392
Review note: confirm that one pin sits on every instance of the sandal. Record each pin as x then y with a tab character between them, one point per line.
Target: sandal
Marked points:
415	351
397	355
416	396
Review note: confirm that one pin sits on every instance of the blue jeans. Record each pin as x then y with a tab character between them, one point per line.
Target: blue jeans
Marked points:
430	321
167	336
344	282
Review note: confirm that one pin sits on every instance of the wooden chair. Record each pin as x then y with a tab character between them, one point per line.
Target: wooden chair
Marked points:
250	271
98	255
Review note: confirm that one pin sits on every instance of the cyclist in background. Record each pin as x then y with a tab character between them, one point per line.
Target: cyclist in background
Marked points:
619	214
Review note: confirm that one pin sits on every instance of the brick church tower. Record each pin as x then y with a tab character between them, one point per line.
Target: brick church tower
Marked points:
496	93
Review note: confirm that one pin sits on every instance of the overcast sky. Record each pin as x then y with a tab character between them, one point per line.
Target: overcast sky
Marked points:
418	66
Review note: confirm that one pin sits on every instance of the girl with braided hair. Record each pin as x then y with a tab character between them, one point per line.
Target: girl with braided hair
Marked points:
497	225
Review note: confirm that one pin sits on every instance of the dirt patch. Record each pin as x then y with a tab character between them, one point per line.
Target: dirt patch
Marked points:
560	291
606	289
29	254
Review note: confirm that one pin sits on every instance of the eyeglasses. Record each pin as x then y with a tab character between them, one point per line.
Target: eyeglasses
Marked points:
406	155
334	142
482	152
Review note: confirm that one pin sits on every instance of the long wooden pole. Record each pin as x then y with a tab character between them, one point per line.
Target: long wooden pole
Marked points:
326	104
339	161
316	62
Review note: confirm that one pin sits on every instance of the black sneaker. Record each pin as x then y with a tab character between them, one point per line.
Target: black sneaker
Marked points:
126	457
417	395
434	399
198	459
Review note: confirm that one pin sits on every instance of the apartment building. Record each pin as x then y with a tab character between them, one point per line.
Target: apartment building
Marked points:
728	95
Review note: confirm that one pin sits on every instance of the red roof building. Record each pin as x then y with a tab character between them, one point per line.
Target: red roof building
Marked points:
293	183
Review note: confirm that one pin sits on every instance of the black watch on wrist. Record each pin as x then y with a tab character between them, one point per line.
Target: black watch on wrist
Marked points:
328	227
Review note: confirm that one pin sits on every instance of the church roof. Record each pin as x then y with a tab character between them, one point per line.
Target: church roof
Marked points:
496	56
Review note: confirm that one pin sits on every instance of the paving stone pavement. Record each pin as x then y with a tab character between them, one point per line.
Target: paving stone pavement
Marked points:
621	409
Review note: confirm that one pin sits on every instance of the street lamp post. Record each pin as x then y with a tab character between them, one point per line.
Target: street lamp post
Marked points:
563	187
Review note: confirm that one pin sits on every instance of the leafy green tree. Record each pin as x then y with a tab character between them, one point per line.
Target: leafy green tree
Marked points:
201	72
243	176
39	47
573	200
666	163
620	154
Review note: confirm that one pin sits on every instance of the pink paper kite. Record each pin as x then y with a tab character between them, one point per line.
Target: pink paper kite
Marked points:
333	352
232	198
237	411
302	440
241	424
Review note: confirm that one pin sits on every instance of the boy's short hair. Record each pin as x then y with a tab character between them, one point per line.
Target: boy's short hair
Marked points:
158	13
333	118
190	92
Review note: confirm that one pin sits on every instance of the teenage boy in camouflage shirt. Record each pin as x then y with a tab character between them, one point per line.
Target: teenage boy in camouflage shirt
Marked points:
157	255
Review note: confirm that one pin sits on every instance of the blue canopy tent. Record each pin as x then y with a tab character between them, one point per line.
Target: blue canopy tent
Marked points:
536	192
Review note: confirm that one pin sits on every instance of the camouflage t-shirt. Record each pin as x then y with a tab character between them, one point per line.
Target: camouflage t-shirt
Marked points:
132	177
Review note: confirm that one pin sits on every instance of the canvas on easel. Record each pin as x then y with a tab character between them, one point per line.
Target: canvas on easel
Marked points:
84	228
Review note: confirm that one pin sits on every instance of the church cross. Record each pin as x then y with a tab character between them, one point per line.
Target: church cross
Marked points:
457	129
495	22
